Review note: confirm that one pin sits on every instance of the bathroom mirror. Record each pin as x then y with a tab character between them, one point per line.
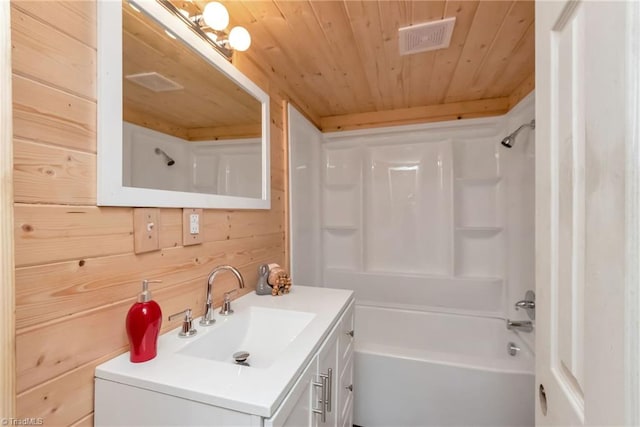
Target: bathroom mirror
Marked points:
178	125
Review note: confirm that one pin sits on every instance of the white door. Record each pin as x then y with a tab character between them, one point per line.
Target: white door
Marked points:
585	178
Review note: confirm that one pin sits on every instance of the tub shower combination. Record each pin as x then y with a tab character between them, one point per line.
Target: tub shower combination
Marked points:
432	227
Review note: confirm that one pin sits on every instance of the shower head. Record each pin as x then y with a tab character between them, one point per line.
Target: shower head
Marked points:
508	141
170	161
511	138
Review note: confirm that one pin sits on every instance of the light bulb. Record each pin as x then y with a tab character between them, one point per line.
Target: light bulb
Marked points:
239	39
215	15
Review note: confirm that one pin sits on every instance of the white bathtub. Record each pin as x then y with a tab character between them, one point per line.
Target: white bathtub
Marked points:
417	368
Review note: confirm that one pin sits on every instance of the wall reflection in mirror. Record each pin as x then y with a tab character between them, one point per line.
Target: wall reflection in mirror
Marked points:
187	126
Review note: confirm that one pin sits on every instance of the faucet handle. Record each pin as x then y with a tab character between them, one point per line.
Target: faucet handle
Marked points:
526	304
187	323
226	310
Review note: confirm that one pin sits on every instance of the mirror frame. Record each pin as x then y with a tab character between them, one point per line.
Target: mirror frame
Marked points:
111	191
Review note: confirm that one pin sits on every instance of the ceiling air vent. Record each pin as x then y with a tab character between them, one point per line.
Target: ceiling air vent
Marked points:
154	81
424	37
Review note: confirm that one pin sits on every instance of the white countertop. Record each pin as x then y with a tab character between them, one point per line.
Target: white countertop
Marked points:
240	388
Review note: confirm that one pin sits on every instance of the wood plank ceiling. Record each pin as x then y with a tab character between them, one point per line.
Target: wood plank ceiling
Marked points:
207	106
341	58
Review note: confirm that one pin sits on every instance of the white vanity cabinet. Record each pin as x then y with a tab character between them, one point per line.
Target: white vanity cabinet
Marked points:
297	408
322	395
309	384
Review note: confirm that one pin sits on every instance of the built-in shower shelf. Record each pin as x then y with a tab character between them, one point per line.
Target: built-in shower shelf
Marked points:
479	181
423	279
340	227
479	230
479	279
340	187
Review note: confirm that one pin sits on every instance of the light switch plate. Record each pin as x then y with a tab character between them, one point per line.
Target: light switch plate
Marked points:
146	226
192	227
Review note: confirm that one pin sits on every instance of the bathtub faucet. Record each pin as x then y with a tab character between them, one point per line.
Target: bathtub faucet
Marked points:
526	304
524	325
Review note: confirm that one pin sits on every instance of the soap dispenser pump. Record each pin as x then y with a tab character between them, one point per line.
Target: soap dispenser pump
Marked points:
143	325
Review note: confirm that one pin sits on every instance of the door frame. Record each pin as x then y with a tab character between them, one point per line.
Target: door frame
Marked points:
632	214
7	264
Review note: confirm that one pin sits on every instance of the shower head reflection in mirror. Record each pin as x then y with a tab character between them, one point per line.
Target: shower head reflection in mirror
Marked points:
169	159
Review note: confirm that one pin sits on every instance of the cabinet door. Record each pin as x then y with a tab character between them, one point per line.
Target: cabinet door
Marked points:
297	408
346	335
345	393
328	370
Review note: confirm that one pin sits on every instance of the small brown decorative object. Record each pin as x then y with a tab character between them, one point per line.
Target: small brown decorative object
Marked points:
279	280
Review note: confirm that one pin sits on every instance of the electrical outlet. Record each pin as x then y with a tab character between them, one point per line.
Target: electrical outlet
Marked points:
194	223
191	227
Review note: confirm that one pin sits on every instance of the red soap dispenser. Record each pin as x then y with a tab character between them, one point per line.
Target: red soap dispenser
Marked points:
143	325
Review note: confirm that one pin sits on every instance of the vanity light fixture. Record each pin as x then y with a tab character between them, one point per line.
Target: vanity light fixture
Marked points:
211	26
215	16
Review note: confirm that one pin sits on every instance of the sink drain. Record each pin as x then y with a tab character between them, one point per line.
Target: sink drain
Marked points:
241	357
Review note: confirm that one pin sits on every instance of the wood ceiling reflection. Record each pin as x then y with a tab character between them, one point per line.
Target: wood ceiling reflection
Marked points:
208	100
341	57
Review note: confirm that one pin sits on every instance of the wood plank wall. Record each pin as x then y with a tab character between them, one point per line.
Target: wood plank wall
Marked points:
7	290
76	273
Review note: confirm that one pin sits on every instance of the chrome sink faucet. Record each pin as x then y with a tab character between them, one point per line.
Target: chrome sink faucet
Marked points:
207	319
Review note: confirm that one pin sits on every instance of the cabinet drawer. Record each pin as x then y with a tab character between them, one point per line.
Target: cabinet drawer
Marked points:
345	335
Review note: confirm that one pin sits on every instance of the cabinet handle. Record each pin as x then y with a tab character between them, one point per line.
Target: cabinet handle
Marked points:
323	408
349	387
350	333
326	390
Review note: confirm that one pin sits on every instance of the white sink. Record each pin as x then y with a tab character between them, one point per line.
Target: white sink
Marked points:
281	333
263	332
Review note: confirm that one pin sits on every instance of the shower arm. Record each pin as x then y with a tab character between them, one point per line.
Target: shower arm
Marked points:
531	125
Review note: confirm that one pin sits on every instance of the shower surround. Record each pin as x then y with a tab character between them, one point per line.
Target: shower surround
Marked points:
431	217
435	220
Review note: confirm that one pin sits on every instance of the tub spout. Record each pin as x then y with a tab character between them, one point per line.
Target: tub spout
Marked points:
524	326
